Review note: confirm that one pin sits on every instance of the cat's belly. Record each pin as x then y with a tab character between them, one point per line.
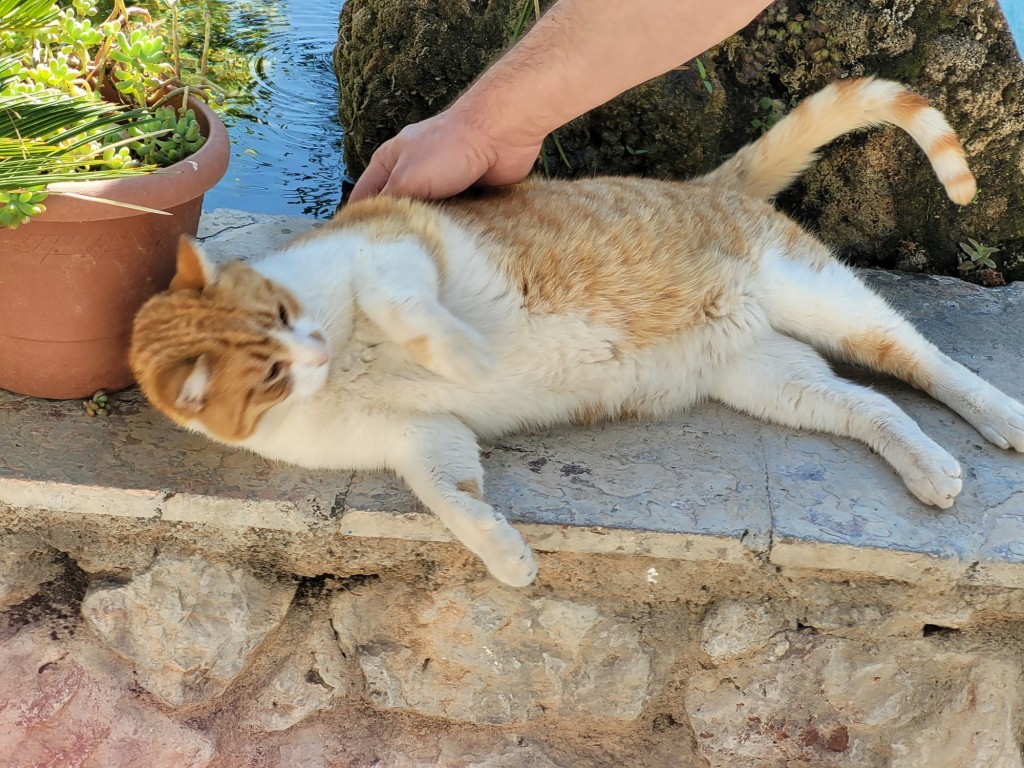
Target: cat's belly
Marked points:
592	379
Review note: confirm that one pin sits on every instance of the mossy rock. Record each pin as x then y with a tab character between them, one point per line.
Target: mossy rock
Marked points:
872	195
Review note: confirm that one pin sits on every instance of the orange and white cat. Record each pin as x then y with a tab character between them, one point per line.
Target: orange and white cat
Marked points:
395	335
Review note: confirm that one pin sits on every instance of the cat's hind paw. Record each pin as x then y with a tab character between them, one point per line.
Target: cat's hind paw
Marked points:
1002	422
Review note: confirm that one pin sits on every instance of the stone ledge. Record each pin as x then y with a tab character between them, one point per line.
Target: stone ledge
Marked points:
708	485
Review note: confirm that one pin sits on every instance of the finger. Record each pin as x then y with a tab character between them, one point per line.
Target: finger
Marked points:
408	179
375	177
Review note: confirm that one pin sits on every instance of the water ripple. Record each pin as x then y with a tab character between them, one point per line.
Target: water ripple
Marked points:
286	140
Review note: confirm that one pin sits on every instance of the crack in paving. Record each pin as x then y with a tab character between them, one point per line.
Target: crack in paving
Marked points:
341	499
165	496
768	497
219	232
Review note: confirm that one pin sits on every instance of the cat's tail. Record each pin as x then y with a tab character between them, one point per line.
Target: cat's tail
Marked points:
769	165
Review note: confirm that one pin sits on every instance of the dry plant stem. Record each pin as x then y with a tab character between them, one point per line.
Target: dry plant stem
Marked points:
118	15
206	44
179	88
98	65
119	10
136	11
174	41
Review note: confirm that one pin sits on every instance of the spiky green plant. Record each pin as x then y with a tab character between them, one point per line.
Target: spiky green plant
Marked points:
20	16
49	138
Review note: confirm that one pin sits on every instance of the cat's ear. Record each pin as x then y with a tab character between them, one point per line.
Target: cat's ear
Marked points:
192	395
195	271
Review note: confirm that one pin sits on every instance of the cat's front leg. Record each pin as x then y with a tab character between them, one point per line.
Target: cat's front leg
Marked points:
397	285
440	461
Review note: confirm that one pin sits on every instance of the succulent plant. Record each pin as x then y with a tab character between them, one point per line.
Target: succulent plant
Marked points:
97	405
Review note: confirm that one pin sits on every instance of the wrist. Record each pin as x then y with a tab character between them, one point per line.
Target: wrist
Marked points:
494	112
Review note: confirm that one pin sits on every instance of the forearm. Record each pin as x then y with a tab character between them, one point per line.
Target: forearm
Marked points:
579	55
584	52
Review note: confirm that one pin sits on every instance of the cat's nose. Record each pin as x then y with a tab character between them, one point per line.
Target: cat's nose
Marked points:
310	352
317	355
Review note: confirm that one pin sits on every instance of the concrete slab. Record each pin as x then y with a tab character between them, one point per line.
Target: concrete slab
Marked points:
709	484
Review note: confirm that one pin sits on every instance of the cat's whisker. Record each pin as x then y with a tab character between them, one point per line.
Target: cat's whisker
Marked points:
327	320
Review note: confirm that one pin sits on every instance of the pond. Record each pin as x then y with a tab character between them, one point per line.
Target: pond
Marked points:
274	56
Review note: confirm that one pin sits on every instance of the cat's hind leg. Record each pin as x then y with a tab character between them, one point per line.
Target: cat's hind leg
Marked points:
439	459
812	297
785	381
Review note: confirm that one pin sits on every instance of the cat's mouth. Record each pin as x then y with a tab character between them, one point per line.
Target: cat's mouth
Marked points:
311	361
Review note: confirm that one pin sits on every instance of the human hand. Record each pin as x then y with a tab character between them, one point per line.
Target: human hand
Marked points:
444	155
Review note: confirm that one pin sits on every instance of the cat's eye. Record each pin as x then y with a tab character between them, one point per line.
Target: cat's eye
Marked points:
273	373
282	313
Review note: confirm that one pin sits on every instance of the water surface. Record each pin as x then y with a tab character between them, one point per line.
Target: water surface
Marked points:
286	142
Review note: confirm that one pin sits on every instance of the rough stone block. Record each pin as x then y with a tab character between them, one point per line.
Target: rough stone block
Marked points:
187	625
975	728
25	563
737	628
835	703
310	679
487	654
60	706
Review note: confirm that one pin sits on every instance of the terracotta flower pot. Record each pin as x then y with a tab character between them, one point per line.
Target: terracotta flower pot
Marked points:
72	278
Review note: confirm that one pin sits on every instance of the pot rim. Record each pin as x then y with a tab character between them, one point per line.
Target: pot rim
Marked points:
161	189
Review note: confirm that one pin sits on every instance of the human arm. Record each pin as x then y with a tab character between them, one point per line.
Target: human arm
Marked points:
580	54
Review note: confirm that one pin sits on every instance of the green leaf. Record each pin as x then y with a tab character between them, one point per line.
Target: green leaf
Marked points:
47	138
27	15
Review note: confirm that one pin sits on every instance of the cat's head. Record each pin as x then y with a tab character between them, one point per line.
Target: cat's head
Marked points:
223	346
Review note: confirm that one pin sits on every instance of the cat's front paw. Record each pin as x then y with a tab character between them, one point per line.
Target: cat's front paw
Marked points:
502	549
936	480
458	354
510	559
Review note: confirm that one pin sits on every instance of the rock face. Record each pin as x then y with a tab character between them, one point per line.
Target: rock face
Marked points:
25	563
733	629
312	676
873	196
391	672
60	705
188	625
831	702
486	654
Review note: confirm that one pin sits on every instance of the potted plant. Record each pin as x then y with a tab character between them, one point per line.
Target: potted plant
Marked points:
106	150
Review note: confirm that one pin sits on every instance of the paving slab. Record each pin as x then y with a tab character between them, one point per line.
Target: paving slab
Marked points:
707	484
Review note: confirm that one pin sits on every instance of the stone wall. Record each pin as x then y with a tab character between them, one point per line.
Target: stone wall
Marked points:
873	195
181	660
